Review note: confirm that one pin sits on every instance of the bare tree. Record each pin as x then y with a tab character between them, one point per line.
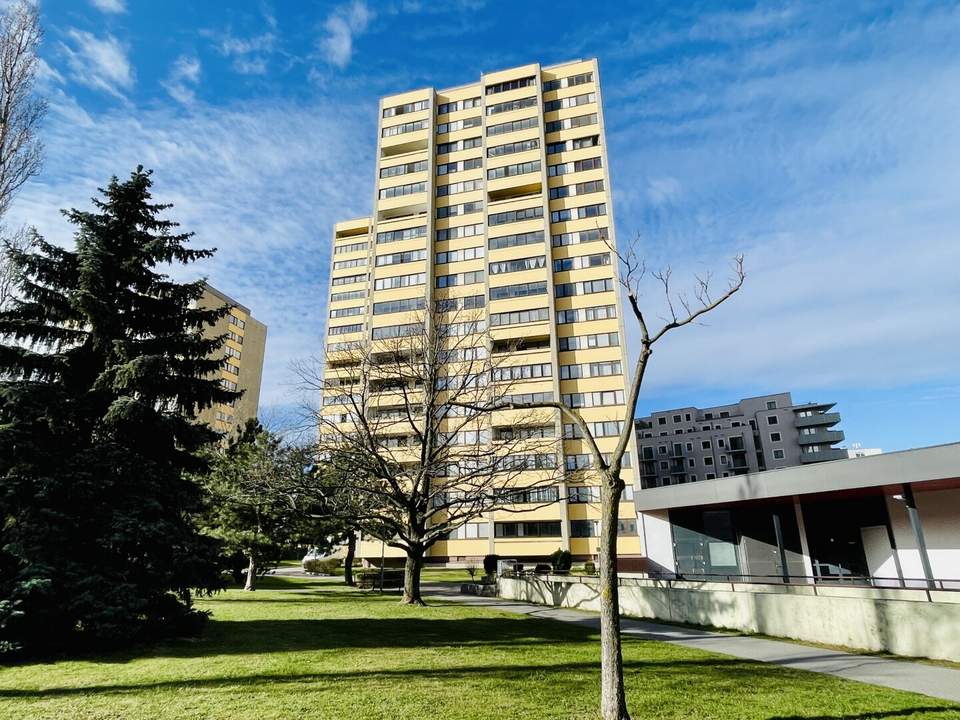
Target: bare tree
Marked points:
682	310
408	428
18	242
21	111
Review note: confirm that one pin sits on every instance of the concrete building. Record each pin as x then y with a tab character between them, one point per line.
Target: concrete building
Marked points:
496	196
242	364
890	520
755	434
857	450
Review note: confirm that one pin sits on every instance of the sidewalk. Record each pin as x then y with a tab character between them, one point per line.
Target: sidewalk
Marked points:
923	678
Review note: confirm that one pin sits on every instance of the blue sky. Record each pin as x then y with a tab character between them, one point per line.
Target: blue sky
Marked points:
819	139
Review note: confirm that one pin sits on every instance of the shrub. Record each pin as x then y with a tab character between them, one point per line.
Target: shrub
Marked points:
316	566
542	569
562	561
490	564
472	571
590	568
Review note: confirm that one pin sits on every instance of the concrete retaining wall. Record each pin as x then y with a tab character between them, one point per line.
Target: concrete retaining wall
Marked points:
903	622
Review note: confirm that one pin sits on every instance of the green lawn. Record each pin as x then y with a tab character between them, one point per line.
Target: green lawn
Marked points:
309	648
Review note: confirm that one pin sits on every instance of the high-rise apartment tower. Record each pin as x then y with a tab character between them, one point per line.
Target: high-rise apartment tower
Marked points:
496	194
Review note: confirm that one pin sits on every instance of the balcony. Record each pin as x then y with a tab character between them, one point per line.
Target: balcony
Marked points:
826	437
825	419
823	456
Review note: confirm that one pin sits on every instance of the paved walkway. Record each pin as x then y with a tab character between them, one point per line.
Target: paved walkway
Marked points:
923	678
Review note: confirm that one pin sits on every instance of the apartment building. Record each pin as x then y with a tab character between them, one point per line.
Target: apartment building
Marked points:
241	367
495	196
755	434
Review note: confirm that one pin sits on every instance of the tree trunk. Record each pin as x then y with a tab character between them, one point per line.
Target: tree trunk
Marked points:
613	701
348	562
411	577
251	574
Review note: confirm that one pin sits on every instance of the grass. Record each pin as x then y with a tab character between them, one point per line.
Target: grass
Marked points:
310	648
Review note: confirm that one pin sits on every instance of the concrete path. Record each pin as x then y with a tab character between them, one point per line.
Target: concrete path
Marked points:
923	678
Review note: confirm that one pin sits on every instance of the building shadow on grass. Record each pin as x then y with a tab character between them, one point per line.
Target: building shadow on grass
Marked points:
585	672
878	715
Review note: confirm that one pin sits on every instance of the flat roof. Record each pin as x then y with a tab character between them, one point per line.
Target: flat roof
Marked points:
226	298
937	462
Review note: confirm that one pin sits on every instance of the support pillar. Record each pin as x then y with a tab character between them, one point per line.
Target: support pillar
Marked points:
914	515
804	544
778	531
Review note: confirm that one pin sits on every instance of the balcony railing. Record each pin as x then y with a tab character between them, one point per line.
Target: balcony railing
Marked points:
821	436
825	419
823	455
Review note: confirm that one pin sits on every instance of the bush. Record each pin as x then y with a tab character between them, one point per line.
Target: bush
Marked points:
542	569
490	564
590	568
562	561
316	566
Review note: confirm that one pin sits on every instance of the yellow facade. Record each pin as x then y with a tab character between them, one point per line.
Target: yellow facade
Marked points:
489	151
241	366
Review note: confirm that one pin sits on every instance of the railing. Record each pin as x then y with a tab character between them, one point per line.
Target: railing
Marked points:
852	581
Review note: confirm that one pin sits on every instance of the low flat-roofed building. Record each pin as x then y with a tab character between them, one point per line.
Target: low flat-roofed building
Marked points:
891	519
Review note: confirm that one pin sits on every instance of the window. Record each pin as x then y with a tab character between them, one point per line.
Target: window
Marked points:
708	460
345	329
721	443
626	527
575	144
523	432
610	428
400	281
393	130
402	257
234	320
512	216
711	476
586	342
470	531
597	369
467	278
513	126
459	232
459	166
597	312
570	123
542	528
661	421
528	398
231	352
576	166
587	287
584	528
405	234
465	124
523	372
580	237
514	147
342	265
772	420
456	146
461	209
581	262
569	102
445	108
395	331
689	447
473	253
511	105
570	81
677	418
511	85
771	404
723	459
664	465
704	444
468	302
583	188
228	384
583	494
406	108
348	279
507	241
352	247
519	317
691	462
774	437
580	213
346	312
662	449
518	265
460	187
230	367
778	454
395	306
520	290
512	170
600	398
405	169
708	416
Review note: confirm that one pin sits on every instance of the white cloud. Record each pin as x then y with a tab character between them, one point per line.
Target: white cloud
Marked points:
110	6
662	190
341	27
183	78
98	63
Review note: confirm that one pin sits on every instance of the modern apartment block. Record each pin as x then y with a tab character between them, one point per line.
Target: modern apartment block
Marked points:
495	196
752	435
241	367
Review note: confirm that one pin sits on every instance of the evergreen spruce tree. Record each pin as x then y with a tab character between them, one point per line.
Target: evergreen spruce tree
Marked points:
103	367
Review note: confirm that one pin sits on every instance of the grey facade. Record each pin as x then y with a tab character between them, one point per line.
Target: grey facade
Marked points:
755	434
